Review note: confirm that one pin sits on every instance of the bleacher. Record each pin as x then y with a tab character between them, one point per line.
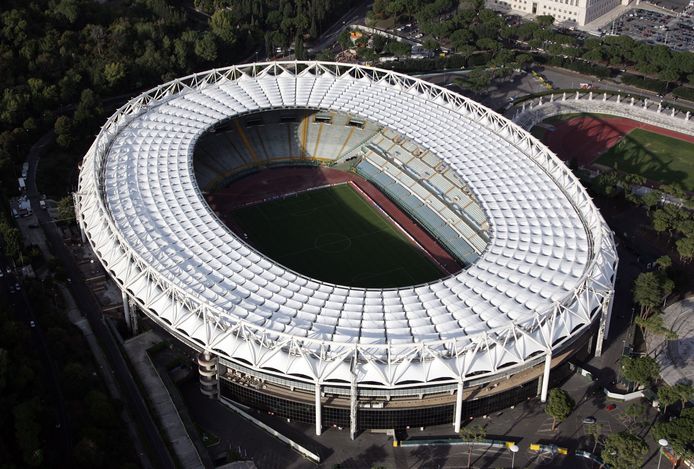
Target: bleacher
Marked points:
276	137
429	190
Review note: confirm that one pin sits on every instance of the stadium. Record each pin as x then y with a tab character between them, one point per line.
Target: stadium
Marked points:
346	246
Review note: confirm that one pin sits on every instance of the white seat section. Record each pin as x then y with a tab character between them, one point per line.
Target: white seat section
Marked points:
487	191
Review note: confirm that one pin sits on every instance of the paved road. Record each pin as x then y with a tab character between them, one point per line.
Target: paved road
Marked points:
355	15
60	434
89	306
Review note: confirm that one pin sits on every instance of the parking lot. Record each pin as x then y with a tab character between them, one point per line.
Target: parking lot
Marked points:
677	32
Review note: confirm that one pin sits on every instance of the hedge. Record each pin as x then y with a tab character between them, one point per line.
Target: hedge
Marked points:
659	86
684	92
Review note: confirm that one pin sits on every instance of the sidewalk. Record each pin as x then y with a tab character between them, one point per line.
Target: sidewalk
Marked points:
676	357
78	320
159	397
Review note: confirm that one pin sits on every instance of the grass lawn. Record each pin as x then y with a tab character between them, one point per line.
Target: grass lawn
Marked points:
334	235
656	157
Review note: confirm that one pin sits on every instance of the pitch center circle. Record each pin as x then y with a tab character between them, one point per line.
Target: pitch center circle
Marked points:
332	242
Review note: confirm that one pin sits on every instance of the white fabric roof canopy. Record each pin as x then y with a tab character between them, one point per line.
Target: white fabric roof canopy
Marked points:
542	247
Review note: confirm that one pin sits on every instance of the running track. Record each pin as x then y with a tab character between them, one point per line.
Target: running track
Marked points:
586	138
278	182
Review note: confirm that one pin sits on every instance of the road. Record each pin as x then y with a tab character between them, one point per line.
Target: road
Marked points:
89	306
355	15
61	434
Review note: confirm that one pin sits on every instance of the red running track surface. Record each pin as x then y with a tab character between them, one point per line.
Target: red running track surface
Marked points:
279	182
586	138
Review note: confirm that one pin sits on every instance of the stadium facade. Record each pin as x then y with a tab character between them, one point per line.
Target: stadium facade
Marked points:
577	12
540	261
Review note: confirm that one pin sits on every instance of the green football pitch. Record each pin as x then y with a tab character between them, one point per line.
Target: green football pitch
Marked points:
655	157
334	235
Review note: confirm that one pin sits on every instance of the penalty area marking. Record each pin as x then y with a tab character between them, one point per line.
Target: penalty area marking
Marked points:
332	243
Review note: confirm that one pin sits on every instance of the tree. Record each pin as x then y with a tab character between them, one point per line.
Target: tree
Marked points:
651	289
472	434
624	450
222	24
679	432
206	47
12	238
544	21
668	75
4	368
399	48
640	370
344	39
28	431
685	248
66	209
114	73
661	221
559	406
667	396
654	324
63	131
634	411
663	262
651	198
684	391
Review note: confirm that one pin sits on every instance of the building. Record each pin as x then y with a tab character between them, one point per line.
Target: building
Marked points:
577	12
541	262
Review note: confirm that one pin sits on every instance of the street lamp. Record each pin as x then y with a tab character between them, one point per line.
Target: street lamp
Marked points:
514	449
663	443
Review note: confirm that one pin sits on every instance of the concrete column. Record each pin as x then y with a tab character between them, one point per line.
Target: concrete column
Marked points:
134	327
604	326
458	406
632	101
318	408
590	96
686	117
660	107
578	96
604	97
545	377
126	310
551	98
673	112
75	206
563	96
353	407
619	98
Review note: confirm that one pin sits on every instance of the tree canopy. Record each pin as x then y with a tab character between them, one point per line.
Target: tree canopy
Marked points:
650	291
559	405
624	450
640	370
679	432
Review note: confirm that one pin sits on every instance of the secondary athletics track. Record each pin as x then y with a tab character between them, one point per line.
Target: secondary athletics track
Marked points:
586	138
278	182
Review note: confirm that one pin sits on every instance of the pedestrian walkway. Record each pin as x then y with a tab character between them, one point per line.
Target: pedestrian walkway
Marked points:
676	357
75	317
174	429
